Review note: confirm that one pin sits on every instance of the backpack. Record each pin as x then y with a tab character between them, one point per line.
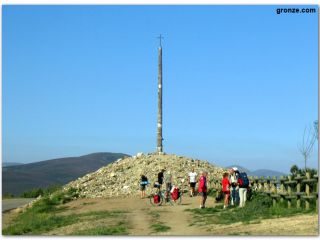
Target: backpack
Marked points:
219	196
175	194
243	180
156	198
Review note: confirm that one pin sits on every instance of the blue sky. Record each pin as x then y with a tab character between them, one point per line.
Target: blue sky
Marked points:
240	82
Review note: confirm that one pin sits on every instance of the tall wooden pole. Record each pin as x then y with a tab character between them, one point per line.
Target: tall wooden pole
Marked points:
159	135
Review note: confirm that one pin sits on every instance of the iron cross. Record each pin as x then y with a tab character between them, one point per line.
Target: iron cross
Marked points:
160	37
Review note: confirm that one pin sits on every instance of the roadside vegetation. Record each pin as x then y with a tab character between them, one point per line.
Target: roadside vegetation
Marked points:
36	192
7	196
119	229
260	207
44	216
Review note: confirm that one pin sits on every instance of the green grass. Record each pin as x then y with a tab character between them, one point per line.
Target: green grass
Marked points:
160	227
154	214
43	215
156	225
119	229
259	208
32	222
204	211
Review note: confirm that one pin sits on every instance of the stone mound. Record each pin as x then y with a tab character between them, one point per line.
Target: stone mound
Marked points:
122	177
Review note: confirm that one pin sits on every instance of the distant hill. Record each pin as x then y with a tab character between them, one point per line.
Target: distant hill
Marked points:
20	178
8	164
259	172
266	173
240	168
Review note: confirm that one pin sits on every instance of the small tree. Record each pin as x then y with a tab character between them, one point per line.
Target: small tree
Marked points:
308	139
294	170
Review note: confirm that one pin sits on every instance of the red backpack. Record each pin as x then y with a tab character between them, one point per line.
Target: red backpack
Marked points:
156	198
175	194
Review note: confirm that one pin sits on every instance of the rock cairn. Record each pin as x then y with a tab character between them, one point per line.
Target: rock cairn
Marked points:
122	177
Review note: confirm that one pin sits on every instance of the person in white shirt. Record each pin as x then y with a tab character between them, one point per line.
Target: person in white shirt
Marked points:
233	178
192	179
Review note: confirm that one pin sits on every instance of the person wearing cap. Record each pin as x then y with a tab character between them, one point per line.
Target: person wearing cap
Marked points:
234	186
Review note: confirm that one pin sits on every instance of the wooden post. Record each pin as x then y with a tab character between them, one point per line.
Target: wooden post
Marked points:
298	178
316	192
307	191
274	190
289	192
282	188
274	184
262	184
267	185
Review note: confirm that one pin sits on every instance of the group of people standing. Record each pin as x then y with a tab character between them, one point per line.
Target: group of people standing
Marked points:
234	185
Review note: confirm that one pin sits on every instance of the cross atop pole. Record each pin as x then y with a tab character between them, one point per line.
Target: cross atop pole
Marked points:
160	37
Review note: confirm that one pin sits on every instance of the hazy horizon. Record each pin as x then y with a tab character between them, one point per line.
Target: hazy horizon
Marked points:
240	83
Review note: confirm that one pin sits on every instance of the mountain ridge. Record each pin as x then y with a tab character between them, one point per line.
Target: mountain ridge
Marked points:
259	172
58	171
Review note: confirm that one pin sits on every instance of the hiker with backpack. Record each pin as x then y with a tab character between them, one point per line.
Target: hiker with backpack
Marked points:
160	178
143	183
202	189
225	189
192	179
243	182
233	178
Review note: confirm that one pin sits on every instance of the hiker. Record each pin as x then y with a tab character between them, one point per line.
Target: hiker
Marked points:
192	179
168	182
234	186
160	178
143	183
243	182
202	189
225	189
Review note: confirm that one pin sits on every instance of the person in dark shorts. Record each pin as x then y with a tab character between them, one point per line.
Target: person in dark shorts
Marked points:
160	177
202	189
192	179
143	185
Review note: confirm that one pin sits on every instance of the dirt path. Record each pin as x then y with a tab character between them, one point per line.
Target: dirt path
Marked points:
139	215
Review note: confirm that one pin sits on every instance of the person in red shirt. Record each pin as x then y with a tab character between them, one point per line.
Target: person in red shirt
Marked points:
202	189
225	189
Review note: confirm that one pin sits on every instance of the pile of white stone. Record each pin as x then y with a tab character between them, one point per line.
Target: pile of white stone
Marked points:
122	177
